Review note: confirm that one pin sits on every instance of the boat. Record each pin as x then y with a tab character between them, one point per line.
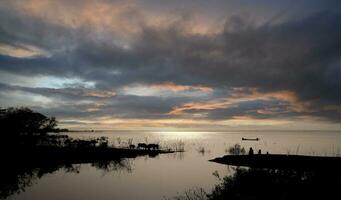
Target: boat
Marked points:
252	139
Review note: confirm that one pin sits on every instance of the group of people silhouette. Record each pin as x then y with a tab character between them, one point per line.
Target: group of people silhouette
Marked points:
259	151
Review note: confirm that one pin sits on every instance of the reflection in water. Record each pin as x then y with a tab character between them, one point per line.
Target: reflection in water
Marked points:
168	174
114	165
178	155
261	183
16	177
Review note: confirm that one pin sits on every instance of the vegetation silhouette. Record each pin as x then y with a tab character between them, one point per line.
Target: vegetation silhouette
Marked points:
272	176
26	129
22	126
269	184
278	176
31	146
265	183
24	121
236	149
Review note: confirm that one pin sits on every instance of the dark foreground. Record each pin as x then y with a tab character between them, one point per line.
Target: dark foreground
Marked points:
279	177
266	183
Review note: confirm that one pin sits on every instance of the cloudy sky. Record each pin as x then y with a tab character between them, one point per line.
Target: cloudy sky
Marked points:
174	65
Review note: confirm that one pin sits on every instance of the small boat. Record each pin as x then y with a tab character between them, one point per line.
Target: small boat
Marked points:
252	139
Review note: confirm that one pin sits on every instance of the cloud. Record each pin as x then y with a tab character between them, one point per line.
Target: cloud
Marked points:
21	51
177	88
145	64
166	89
240	96
91	103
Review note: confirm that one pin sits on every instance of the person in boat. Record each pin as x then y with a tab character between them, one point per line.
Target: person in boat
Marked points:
250	151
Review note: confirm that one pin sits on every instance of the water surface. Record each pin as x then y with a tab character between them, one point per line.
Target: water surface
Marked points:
169	174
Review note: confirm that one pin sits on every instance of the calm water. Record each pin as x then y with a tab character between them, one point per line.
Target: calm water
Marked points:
169	174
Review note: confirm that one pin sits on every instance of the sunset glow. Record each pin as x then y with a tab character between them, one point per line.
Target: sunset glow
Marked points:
145	64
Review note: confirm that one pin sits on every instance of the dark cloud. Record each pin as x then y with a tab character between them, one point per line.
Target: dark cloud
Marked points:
258	109
80	103
298	54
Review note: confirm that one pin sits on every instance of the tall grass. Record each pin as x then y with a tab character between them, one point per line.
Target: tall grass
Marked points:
201	150
236	149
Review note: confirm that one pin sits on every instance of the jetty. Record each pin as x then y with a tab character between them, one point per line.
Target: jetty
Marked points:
281	161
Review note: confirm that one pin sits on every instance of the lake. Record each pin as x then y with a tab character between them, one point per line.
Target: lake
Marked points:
169	174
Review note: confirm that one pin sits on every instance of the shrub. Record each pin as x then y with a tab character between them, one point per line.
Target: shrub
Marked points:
237	150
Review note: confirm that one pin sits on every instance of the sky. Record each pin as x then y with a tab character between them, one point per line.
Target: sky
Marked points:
174	65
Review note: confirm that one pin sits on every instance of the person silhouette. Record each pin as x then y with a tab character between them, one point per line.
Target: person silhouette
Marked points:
259	151
250	151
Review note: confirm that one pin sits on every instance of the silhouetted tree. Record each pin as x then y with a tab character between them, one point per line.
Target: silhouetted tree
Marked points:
24	126
24	121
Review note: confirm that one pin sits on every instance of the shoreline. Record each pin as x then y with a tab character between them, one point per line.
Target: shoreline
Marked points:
280	161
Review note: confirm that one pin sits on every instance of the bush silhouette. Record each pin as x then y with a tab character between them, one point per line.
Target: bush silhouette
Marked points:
24	121
22	126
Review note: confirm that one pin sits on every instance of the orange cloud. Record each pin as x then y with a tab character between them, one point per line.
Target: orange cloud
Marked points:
243	95
95	107
210	105
178	88
21	51
126	18
104	15
99	93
